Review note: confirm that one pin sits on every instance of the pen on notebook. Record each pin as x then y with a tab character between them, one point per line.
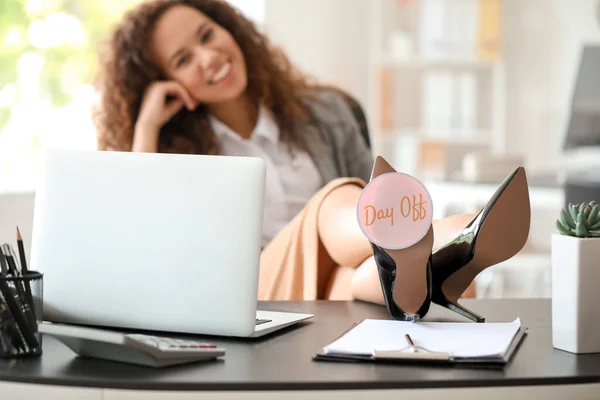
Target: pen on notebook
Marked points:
410	343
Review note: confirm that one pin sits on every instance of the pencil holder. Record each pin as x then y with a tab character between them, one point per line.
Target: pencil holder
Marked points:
21	302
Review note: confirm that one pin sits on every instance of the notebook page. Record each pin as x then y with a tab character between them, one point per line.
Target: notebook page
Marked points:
457	339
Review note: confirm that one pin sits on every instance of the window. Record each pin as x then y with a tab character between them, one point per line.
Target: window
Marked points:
253	9
47	64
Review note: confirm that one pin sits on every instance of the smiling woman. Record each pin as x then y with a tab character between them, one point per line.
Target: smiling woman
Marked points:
203	65
197	77
158	79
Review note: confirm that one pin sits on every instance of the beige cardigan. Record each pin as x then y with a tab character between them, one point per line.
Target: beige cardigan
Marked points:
289	265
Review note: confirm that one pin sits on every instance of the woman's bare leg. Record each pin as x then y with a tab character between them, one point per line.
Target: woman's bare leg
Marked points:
365	283
338	227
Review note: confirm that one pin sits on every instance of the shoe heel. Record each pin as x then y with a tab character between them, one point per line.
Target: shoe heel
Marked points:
405	297
440	299
464	312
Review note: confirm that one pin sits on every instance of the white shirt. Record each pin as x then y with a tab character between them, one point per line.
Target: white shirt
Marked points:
290	182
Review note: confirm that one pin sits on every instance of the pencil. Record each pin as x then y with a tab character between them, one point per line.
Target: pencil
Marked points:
21	252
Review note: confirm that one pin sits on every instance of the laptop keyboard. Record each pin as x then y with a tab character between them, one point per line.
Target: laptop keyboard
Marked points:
262	321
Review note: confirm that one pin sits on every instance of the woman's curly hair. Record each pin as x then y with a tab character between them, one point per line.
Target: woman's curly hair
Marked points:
127	70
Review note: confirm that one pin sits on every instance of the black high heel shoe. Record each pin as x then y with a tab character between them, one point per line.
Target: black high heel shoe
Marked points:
497	233
404	274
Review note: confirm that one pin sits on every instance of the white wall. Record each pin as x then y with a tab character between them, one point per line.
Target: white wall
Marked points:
326	38
542	40
542	43
17	210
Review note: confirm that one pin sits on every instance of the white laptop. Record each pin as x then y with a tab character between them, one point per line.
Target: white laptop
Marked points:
158	242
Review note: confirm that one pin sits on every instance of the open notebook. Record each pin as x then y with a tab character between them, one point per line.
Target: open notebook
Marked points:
446	342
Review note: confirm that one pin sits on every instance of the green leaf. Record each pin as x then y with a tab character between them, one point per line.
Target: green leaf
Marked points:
582	219
580	227
593	217
586	211
564	230
595	226
573	211
558	221
566	219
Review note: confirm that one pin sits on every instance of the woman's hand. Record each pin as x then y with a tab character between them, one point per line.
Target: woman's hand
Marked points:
161	102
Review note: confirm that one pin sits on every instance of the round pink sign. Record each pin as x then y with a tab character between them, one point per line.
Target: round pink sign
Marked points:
394	211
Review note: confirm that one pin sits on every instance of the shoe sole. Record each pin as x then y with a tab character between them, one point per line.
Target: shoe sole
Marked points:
410	289
498	240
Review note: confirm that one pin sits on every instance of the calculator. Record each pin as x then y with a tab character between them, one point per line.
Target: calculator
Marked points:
134	348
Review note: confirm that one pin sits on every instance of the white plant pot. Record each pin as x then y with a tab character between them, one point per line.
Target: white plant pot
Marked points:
576	294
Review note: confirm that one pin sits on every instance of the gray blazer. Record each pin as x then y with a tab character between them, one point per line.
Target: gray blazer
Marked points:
338	149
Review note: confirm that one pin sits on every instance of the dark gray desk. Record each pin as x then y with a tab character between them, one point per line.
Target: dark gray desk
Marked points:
283	361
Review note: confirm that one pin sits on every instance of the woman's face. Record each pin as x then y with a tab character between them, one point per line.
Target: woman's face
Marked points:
199	54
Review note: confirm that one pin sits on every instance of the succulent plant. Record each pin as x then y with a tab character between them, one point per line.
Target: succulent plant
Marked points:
582	220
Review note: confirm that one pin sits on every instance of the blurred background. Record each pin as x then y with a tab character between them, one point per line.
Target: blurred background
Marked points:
456	92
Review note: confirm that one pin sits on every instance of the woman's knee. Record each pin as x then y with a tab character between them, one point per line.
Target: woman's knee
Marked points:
338	227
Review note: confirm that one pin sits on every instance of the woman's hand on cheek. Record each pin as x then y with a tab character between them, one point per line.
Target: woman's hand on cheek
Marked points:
162	100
